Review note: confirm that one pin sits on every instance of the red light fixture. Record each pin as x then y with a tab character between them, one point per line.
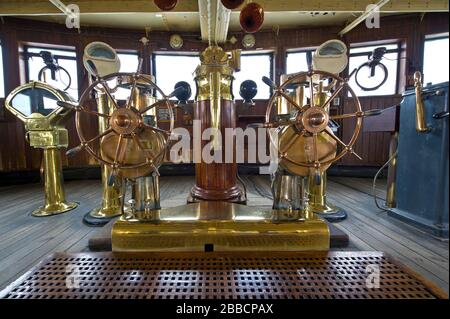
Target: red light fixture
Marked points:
166	5
252	17
232	4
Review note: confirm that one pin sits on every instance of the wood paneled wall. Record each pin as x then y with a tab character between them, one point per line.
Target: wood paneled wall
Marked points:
16	155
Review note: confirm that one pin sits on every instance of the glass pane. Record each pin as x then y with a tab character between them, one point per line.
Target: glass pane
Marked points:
35	64
128	64
170	69
296	62
373	47
36	100
435	64
2	75
67	53
253	67
390	60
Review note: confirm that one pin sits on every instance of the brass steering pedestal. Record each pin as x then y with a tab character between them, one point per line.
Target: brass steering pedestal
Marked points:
35	104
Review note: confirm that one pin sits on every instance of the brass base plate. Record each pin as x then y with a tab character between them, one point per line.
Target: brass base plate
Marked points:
60	208
329	212
107	213
219	226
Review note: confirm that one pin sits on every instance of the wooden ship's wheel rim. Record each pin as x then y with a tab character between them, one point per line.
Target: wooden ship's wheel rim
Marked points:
310	123
124	122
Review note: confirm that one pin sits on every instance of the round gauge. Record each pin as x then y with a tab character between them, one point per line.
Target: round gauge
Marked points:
248	41
176	41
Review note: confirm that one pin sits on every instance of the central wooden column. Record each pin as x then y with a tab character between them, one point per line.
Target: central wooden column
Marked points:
215	109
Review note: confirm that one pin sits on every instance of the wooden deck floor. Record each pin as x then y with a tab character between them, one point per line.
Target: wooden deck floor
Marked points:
25	240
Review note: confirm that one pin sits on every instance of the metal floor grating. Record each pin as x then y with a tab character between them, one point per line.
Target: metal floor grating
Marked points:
337	275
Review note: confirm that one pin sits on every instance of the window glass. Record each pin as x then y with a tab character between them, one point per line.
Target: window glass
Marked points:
435	62
170	69
296	62
254	67
360	55
128	64
65	58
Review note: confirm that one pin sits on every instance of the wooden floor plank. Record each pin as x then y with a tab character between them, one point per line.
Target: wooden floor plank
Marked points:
24	239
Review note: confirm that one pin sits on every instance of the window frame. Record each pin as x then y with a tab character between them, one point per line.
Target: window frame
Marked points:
271	55
2	52
26	55
5	79
398	50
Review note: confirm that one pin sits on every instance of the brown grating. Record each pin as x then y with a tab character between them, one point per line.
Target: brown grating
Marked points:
337	275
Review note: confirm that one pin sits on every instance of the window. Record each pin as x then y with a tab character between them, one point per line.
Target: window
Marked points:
65	59
2	75
360	55
297	62
435	60
170	69
254	67
128	64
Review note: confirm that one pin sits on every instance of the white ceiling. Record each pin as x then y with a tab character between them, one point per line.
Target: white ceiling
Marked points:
189	21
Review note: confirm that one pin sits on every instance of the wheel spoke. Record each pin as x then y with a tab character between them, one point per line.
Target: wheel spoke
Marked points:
316	153
156	129
119	153
311	91
148	155
334	137
291	101
132	94
333	96
346	147
290	144
95	113
99	136
148	108
344	116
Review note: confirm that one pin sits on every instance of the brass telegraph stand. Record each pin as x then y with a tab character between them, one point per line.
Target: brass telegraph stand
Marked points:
35	104
99	60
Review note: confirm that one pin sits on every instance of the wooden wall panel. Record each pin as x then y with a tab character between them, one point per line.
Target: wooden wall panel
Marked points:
16	155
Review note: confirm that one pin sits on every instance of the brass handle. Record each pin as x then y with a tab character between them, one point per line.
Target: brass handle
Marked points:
215	107
421	125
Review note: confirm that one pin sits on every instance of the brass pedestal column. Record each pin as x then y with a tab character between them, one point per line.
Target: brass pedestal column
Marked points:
111	196
215	110
55	198
318	200
317	192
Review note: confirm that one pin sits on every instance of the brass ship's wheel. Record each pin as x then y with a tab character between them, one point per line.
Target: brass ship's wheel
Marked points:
130	145
309	129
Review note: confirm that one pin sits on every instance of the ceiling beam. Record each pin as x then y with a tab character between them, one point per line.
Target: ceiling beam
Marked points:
214	21
44	7
376	8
